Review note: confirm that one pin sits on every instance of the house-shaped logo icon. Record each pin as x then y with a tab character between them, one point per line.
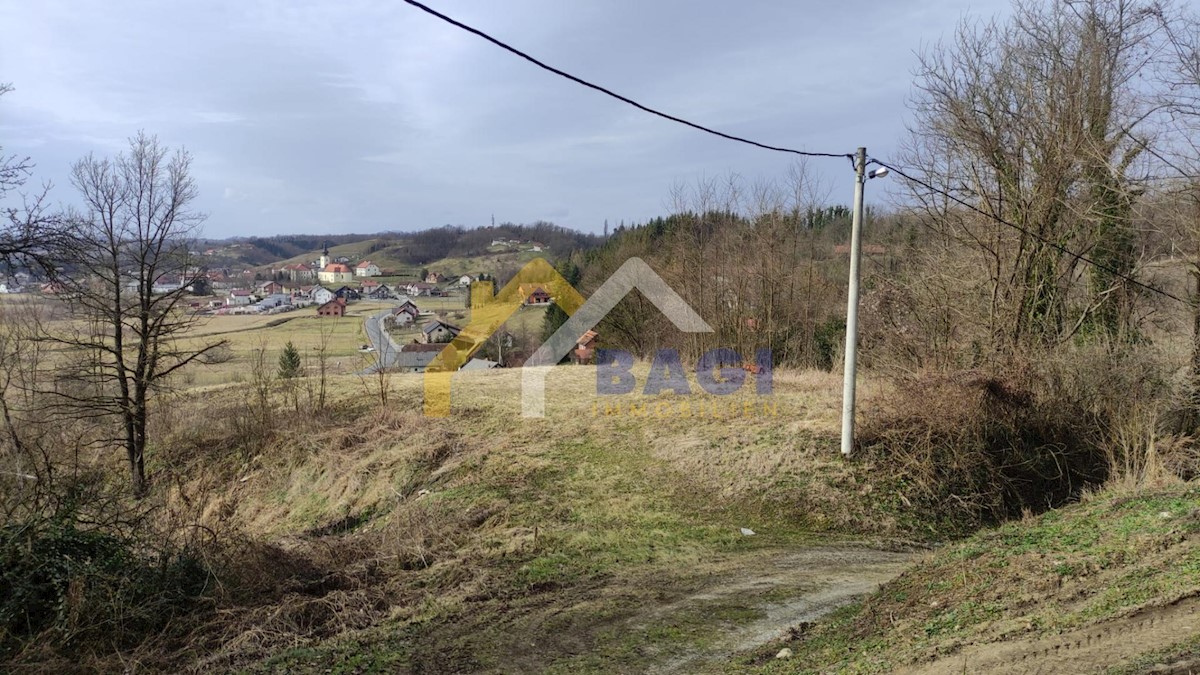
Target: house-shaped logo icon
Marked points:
488	313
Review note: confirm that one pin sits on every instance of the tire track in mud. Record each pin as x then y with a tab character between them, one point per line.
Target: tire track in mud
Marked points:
828	578
1093	649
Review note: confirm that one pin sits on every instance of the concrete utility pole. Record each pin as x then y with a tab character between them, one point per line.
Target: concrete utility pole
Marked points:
851	359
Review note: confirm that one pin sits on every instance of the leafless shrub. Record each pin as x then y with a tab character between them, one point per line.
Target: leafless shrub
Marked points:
976	446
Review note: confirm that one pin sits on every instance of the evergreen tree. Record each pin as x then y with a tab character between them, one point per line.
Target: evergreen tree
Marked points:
289	361
555	316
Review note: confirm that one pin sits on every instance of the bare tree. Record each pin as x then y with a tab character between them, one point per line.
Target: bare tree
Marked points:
1180	164
127	285
317	392
1040	120
28	227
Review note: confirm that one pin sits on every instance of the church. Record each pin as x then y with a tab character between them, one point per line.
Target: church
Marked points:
331	272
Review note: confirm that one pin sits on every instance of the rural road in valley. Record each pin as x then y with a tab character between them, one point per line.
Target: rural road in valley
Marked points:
386	349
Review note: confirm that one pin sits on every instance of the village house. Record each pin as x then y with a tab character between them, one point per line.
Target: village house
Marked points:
321	295
585	347
405	313
270	288
367	268
335	307
418	288
465	280
379	292
275	300
480	364
347	293
415	357
439	331
433	278
335	273
301	295
534	294
239	297
294	272
167	283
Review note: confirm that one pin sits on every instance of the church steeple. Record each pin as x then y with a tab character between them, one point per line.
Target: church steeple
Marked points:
324	260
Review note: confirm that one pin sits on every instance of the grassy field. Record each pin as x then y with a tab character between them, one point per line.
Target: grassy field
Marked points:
605	534
608	537
340	337
462	537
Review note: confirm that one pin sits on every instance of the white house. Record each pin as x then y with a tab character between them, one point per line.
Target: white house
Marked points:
439	331
321	295
464	280
165	285
367	268
335	273
417	288
240	297
479	364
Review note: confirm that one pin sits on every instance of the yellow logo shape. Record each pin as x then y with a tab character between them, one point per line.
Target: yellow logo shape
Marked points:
487	315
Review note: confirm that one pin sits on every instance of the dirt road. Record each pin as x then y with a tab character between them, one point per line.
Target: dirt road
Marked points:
783	591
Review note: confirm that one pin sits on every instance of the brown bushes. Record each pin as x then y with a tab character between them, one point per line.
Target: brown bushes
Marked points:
971	447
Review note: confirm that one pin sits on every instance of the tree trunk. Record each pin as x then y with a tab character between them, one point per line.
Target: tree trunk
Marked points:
1196	339
137	467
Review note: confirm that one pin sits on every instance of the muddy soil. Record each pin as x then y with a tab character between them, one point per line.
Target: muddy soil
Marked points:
787	589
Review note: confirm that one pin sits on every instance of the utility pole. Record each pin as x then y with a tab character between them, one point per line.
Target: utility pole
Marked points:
851	359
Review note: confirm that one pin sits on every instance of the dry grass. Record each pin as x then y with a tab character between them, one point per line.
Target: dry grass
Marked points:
329	525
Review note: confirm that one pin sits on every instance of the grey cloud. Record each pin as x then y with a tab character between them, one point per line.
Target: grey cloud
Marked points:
369	115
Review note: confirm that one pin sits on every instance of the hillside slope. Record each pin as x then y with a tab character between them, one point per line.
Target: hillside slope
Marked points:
1111	585
378	540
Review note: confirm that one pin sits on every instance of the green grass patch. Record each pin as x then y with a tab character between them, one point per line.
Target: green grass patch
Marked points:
1066	568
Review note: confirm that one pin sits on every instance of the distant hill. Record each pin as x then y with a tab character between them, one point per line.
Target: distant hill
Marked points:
450	250
263	251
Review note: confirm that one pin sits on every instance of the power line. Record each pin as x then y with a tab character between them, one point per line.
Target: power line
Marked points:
609	92
624	99
1026	231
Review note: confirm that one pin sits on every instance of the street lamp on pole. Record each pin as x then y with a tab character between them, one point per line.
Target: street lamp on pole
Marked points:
851	360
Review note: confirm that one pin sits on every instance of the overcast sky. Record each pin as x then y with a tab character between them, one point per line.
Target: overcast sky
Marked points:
366	115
